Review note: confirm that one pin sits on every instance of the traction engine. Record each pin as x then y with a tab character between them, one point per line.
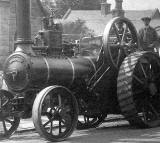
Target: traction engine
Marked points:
62	90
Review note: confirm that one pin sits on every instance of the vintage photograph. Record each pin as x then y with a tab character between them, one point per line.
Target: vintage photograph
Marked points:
79	71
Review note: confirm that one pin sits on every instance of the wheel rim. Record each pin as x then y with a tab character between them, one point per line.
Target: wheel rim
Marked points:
119	43
58	114
8	123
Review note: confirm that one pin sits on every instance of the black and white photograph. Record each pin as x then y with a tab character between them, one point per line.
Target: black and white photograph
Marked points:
80	71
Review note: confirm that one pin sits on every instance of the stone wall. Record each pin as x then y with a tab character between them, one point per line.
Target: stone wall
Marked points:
4	26
4	30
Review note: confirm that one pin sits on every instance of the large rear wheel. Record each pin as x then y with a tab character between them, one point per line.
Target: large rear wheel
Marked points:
138	89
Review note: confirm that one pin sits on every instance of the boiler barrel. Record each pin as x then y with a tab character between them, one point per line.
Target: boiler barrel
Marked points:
23	72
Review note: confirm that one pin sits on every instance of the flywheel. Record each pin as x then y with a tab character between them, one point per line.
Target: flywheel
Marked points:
138	89
119	40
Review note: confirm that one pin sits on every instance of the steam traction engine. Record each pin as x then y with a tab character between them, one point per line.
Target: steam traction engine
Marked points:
68	91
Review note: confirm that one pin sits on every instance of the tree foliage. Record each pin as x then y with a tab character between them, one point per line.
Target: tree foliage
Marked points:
77	27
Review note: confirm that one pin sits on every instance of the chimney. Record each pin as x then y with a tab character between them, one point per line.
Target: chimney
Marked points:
118	11
105	7
23	27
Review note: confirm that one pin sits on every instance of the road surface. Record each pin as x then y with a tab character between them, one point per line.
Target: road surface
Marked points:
112	132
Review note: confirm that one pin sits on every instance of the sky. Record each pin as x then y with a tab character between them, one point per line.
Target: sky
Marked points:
138	4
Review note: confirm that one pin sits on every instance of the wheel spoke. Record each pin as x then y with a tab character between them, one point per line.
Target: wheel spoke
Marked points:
60	127
0	102
144	73
124	33
144	114
50	120
84	119
148	110
150	72
47	123
118	58
88	120
3	104
153	109
51	128
59	100
138	79
63	122
4	126
116	32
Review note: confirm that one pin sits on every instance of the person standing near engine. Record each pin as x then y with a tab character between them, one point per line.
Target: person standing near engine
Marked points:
148	36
